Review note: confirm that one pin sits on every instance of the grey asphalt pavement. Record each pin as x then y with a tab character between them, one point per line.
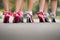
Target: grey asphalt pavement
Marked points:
30	31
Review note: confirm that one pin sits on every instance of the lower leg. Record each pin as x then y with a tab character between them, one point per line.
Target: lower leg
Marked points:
41	5
18	4
21	8
22	5
30	4
53	7
6	5
46	6
29	8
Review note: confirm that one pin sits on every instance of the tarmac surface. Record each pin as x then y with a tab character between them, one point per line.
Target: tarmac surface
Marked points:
30	31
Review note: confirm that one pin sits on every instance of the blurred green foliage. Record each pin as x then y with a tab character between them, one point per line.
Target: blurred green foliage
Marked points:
1	4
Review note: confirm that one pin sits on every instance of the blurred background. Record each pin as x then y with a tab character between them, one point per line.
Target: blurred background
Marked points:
35	7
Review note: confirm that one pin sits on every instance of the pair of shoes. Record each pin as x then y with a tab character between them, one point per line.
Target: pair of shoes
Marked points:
17	17
42	19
